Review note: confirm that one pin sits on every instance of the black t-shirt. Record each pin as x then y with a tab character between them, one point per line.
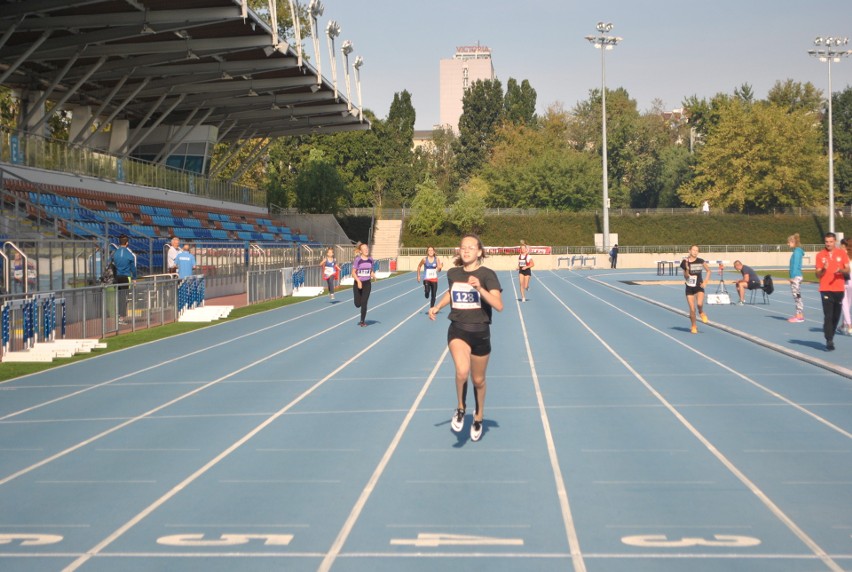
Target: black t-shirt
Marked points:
694	269
467	307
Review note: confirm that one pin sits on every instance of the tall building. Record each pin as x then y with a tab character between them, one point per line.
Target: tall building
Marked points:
471	63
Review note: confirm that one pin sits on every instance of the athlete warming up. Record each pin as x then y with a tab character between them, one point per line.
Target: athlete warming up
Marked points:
474	291
693	274
362	272
432	264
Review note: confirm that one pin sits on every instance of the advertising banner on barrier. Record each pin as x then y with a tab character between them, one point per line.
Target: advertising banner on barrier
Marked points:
498	250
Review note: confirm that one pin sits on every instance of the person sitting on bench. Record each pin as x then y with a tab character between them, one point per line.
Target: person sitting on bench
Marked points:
749	281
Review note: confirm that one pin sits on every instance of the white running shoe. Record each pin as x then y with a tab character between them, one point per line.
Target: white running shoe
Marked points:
476	430
457	422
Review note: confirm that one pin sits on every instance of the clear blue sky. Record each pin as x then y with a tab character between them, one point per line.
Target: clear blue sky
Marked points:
670	49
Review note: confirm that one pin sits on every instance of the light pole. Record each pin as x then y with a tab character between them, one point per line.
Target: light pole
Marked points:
604	42
829	50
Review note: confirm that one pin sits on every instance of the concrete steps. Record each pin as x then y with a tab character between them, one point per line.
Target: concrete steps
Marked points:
386	239
48	351
205	314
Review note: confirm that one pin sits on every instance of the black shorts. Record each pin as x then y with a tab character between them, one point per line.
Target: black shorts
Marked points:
527	272
693	290
478	339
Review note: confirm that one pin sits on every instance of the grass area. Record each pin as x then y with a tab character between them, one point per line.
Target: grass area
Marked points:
115	343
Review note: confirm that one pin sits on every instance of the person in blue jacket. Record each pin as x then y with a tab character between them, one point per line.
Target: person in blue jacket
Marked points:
125	274
796	277
185	262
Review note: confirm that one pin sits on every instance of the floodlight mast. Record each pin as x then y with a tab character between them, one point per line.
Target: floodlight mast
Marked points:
830	49
604	42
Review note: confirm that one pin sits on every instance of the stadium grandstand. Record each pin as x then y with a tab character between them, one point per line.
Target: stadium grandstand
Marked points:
151	88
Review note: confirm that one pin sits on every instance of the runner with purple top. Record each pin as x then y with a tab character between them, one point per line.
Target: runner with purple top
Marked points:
362	272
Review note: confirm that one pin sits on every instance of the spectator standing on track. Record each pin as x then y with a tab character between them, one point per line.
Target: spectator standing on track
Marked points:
749	281
613	257
330	271
474	291
796	277
847	293
693	273
362	272
432	264
185	262
831	264
174	250
525	264
125	274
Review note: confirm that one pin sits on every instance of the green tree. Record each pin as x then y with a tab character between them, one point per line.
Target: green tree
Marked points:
519	102
438	160
624	140
318	187
841	111
468	211
482	106
537	167
9	108
744	93
397	163
675	170
428	209
758	157
793	95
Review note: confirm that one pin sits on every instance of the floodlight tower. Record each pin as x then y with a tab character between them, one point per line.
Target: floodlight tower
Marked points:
603	42
830	49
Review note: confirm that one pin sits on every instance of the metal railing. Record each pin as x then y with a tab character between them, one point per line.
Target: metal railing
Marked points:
402	213
55	155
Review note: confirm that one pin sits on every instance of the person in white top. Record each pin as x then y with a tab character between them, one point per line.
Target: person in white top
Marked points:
525	264
174	250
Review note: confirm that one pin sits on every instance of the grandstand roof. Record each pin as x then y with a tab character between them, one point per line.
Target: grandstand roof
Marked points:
169	61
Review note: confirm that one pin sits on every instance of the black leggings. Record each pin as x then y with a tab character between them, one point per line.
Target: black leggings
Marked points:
362	296
330	283
430	287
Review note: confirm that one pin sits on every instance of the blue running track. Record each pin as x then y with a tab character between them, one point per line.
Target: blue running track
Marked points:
615	440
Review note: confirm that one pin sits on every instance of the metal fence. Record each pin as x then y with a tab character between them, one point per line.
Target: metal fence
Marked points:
52	154
93	311
271	284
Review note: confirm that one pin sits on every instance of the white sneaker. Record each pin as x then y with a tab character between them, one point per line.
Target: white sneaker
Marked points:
457	422
476	430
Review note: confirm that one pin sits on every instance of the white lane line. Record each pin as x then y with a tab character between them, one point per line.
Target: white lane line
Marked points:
654	482
98	548
235	524
716	362
355	513
175	359
178	399
465	482
101	450
561	490
279	481
628	451
818	362
741	476
95	482
151	367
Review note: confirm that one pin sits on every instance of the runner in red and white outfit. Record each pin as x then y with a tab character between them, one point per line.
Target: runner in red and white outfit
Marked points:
330	271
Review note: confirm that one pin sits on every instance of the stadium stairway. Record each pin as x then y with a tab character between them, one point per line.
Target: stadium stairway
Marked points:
386	239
